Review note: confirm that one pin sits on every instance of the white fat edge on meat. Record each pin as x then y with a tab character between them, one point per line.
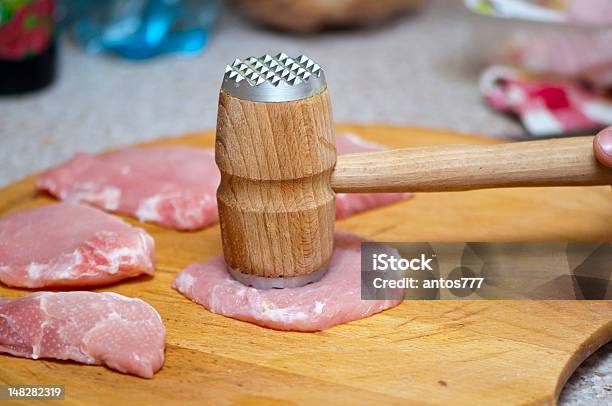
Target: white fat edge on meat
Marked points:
108	197
65	268
69	266
117	257
42	306
134	300
205	200
144	249
213	299
264	311
183	217
318	307
36	347
242	292
147	209
186	218
35	270
184	281
285	315
120	256
123	298
146	242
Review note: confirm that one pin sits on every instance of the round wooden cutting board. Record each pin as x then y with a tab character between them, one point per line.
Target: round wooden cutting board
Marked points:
425	352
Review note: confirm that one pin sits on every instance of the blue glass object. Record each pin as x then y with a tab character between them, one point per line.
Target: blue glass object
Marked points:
142	29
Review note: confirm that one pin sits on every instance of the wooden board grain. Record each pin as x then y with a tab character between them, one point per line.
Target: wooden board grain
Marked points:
438	353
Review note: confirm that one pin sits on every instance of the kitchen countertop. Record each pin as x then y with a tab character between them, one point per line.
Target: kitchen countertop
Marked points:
414	71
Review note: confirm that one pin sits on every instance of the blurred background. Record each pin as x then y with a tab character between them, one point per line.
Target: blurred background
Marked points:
87	75
133	70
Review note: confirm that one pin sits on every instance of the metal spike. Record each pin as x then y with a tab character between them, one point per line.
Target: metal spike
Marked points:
255	78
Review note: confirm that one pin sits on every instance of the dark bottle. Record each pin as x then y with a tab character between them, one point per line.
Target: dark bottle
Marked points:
27	47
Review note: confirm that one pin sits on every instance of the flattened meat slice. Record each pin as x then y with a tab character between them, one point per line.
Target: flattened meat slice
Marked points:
174	186
70	245
333	300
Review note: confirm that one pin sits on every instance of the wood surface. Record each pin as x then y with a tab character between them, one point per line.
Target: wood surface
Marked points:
554	162
276	205
421	352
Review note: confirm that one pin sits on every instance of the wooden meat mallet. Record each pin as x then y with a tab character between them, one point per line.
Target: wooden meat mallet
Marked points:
275	148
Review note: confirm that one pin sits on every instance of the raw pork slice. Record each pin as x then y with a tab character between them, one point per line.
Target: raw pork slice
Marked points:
335	299
122	333
67	244
174	186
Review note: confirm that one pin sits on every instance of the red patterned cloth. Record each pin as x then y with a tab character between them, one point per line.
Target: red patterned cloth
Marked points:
546	106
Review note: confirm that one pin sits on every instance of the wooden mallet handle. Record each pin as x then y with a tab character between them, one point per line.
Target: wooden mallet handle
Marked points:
555	162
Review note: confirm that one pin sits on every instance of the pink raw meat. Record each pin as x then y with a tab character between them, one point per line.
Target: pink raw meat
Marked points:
174	186
67	244
333	300
122	333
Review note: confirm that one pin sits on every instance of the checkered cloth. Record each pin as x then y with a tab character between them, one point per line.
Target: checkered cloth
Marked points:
546	107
